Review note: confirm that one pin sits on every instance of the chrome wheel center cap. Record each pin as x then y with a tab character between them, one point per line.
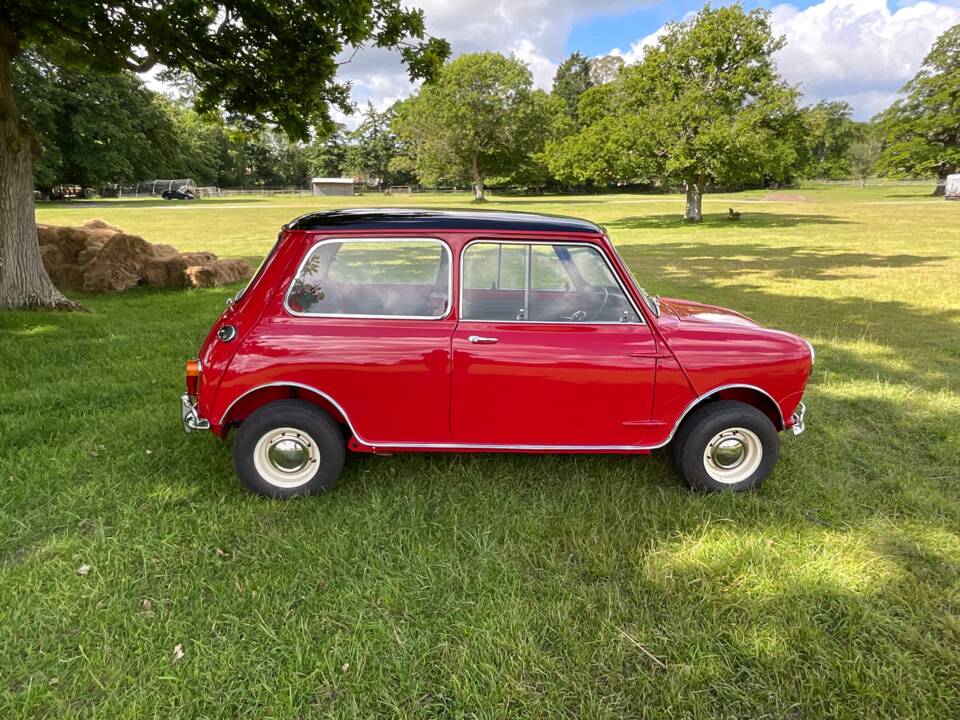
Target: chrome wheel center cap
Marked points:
729	453
288	454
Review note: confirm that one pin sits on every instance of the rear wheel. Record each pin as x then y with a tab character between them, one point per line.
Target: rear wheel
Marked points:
726	445
289	448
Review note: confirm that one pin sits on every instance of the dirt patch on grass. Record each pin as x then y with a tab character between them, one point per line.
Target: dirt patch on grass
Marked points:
786	197
100	257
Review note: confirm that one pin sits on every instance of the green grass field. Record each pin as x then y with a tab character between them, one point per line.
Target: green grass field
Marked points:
480	586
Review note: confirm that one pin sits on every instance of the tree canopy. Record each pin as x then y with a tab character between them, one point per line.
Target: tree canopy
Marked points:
921	132
705	106
828	133
271	62
479	118
571	80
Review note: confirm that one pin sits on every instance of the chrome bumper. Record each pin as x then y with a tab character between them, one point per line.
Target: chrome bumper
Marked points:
797	419
188	414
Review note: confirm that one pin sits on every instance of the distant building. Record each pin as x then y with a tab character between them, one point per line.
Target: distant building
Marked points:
332	186
952	188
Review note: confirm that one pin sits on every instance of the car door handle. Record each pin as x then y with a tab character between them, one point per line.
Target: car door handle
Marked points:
479	340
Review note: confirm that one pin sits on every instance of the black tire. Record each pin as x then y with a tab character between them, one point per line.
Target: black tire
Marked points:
746	427
309	435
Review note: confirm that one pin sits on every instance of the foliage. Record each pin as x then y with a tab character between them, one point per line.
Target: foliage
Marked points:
479	118
705	106
863	156
922	130
374	147
97	129
272	62
828	133
571	80
327	156
605	69
497	586
93	127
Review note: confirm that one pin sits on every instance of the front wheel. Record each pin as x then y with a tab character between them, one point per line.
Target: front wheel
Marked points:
288	448
726	445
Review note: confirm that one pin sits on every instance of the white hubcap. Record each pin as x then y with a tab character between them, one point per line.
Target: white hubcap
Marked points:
733	455
286	457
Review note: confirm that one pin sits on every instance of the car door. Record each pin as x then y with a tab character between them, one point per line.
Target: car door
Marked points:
368	323
550	350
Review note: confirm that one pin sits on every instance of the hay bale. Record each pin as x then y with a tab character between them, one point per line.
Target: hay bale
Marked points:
109	277
98	224
100	257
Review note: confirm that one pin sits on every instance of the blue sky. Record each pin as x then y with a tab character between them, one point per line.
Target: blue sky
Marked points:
596	35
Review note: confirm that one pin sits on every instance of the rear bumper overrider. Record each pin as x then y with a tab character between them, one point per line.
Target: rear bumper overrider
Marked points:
189	415
796	420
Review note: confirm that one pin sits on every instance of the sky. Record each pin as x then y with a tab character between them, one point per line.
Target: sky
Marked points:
860	51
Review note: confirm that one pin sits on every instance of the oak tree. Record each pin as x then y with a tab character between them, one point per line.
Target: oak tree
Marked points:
706	106
480	118
922	131
272	62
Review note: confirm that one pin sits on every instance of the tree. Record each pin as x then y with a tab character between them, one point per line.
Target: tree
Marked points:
922	131
605	69
271	62
94	128
478	119
863	158
828	133
328	155
704	107
373	146
571	80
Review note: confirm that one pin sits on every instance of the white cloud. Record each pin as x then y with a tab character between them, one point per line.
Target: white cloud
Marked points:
638	48
858	50
535	31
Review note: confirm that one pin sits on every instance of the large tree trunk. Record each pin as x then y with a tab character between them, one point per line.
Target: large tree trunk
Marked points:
941	189
478	195
694	209
23	281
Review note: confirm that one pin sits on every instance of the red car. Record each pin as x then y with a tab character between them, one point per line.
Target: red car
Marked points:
385	331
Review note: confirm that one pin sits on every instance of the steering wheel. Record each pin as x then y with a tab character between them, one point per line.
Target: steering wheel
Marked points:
581	315
603	303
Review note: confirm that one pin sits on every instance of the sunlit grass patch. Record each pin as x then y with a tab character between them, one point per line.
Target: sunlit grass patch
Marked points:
500	586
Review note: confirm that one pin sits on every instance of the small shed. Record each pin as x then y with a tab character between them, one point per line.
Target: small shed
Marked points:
332	185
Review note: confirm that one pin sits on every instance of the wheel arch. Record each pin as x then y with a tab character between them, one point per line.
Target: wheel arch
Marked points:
747	394
259	396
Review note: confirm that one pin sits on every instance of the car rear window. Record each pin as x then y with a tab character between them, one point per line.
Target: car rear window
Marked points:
407	278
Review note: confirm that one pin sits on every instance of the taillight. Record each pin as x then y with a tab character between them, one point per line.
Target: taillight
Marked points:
193	377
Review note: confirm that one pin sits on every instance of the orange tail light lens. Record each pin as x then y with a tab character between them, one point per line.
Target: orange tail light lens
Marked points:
193	376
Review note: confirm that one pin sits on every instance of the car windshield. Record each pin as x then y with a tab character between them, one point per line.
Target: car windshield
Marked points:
651	302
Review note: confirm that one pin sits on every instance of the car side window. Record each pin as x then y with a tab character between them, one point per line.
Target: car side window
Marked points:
541	282
373	278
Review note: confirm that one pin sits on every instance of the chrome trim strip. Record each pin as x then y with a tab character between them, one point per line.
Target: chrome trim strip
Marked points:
469	446
598	248
442	243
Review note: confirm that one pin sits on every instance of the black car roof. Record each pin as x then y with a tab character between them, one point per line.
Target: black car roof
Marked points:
420	219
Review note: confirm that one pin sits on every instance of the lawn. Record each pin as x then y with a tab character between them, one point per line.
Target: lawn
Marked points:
500	586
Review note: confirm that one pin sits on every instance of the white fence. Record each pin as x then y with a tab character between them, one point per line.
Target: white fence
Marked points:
874	182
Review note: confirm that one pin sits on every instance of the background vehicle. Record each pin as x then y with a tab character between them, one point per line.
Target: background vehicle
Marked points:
411	331
178	194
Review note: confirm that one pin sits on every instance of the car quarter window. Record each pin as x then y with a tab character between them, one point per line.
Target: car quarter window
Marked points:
373	278
541	282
